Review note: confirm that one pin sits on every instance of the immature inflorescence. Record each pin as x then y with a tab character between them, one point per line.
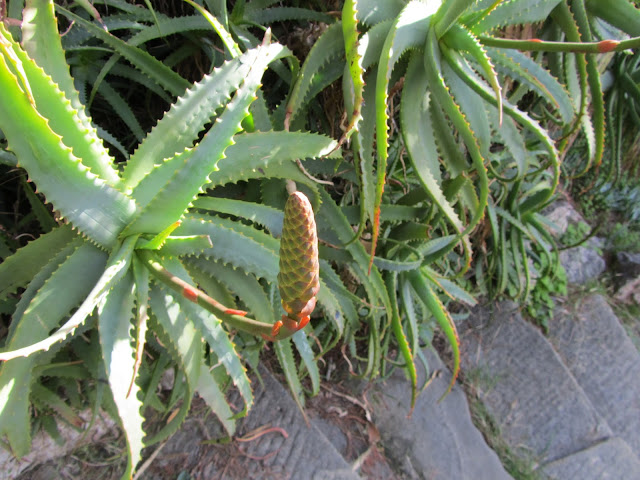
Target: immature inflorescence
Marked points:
299	277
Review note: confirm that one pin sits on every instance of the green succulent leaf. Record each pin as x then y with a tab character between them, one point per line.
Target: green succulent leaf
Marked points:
515	12
353	82
192	111
116	268
437	309
180	178
268	217
284	352
270	154
301	341
408	31
147	64
20	268
41	41
211	329
118	353
94	207
524	69
209	390
183	342
403	344
43	305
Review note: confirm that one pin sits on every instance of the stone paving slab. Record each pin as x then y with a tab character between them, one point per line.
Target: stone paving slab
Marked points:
582	264
525	386
304	454
610	460
602	358
439	441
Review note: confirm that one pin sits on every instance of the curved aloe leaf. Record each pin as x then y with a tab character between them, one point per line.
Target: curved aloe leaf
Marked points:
328	48
301	342
448	14
116	268
372	12
403	344
465	72
264	215
442	96
211	329
180	179
409	30
184	343
238	282
515	12
252	153
208	389
279	14
118	354
354	90
41	40
20	268
43	305
59	174
522	68
433	303
593	79
192	111
147	64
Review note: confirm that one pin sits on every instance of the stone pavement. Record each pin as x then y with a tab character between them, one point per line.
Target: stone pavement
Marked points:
571	400
439	440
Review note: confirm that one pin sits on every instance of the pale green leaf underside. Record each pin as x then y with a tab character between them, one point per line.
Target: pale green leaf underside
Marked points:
41	312
117	266
118	354
18	269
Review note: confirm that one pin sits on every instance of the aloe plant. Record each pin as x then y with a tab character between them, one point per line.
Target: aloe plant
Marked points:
133	244
481	168
417	214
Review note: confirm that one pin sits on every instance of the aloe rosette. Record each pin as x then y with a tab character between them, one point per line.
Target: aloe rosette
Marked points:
138	250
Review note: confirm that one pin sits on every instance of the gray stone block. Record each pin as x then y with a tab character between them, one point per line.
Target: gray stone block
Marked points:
562	214
581	264
596	349
609	460
525	386
439	441
305	453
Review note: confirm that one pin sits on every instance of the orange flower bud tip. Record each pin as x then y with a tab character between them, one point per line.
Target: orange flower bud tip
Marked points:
606	46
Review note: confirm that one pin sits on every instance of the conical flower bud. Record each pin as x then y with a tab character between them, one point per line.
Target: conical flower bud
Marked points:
299	277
